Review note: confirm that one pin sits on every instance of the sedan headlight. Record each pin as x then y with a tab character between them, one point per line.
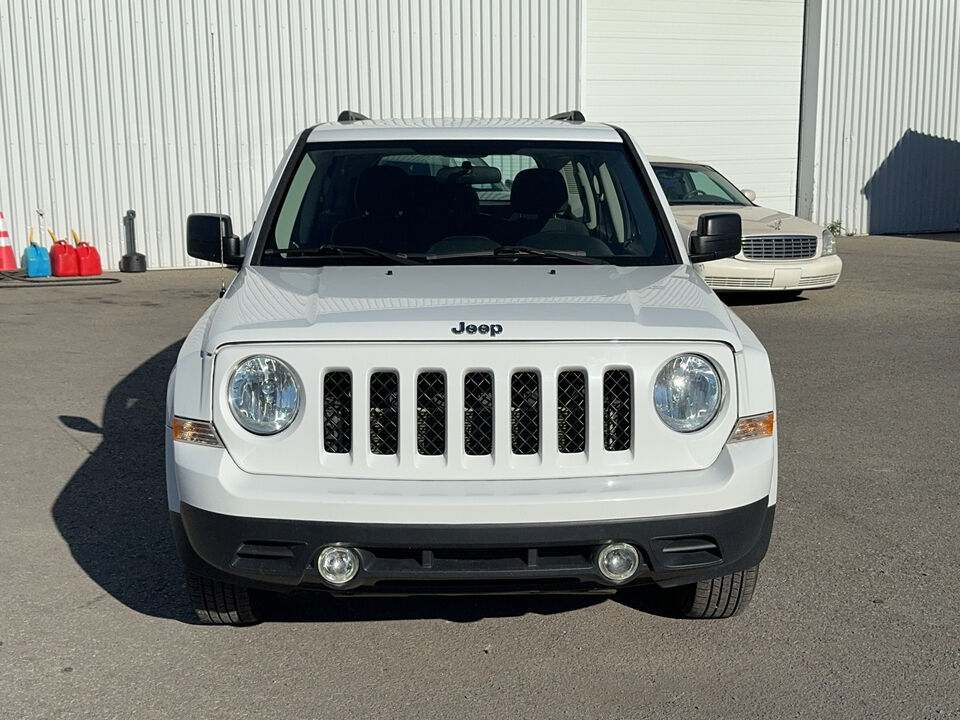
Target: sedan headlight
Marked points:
264	394
829	243
687	393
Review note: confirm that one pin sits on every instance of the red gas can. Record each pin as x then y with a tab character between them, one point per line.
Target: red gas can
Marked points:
88	259
63	259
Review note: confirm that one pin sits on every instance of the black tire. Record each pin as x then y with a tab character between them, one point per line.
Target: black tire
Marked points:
220	603
720	597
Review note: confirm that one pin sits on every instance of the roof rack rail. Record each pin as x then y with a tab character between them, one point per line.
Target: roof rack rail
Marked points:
350	116
569	116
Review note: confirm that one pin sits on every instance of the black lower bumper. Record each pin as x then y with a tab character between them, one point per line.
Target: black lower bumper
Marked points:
412	559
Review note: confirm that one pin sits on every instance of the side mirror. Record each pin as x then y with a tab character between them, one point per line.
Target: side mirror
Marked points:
749	195
718	235
210	237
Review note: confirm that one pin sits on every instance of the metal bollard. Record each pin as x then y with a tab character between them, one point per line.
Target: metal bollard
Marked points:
132	261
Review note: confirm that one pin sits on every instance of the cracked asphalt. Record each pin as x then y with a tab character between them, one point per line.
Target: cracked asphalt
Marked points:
856	613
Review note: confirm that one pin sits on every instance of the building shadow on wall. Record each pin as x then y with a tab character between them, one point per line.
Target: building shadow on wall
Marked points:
917	187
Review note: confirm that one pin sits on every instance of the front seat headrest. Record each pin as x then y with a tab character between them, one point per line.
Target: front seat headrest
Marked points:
381	190
538	191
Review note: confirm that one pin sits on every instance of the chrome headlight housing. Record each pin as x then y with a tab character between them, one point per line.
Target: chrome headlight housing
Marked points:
829	244
687	393
264	394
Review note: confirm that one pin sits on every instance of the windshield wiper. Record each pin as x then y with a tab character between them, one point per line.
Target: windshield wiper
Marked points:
341	251
516	251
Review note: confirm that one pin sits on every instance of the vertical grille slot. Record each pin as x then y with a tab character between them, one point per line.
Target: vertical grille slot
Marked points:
337	411
384	413
572	411
525	412
617	396
431	413
478	413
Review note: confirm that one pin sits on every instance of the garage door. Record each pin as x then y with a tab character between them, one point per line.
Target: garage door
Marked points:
717	82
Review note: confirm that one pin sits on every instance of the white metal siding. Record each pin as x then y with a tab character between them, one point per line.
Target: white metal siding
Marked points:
106	106
887	157
717	82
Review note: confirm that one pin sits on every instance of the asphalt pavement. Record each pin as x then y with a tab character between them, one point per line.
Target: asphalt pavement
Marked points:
856	613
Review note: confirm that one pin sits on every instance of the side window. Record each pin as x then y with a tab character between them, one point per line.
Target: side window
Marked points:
293	205
612	200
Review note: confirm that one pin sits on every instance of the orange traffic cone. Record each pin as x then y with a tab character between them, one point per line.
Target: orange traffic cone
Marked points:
7	259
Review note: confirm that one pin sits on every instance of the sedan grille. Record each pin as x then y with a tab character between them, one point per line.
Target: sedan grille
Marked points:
780	247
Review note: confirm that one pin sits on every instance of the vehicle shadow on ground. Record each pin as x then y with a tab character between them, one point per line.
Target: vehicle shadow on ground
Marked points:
305	606
113	515
113	511
738	299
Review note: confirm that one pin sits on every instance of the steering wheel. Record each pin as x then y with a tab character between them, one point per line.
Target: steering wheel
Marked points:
694	194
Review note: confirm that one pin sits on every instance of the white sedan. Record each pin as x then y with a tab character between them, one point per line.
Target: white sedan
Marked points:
780	252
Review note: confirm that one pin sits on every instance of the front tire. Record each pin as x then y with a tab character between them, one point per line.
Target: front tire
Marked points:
716	598
221	603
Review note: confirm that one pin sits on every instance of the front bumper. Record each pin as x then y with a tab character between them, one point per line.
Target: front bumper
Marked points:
413	559
737	274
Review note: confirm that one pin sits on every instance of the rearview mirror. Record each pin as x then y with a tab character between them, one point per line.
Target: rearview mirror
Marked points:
749	195
210	237
469	175
718	236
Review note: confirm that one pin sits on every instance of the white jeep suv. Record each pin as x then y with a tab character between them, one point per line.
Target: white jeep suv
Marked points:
468	357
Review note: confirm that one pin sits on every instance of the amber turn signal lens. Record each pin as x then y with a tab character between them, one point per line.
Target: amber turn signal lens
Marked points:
197	432
755	426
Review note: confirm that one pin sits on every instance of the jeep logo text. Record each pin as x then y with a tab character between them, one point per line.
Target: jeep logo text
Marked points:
491	330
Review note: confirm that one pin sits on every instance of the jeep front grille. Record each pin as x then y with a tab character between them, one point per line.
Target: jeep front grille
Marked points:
337	411
572	411
478	413
431	413
779	247
525	399
435	413
617	396
525	412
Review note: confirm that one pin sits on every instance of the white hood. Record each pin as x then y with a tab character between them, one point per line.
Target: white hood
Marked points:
410	303
756	220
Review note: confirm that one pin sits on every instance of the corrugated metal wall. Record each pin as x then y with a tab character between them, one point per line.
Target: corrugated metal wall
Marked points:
716	82
106	106
887	156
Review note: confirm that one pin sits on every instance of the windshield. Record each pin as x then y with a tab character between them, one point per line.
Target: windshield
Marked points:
697	185
465	202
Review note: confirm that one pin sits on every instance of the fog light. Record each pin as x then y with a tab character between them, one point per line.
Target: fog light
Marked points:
338	565
618	561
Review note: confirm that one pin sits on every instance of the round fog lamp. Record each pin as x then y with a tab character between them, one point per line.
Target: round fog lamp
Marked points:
618	561
338	565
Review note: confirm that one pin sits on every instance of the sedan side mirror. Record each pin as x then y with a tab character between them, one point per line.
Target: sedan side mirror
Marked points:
210	237
718	235
749	195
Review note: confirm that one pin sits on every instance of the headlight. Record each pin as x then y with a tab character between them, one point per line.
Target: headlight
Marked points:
264	394
687	393
829	243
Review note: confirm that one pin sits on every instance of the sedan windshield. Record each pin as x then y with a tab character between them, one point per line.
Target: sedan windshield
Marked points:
466	202
697	185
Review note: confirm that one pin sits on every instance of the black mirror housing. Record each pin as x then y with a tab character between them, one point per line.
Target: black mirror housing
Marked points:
718	235
210	237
